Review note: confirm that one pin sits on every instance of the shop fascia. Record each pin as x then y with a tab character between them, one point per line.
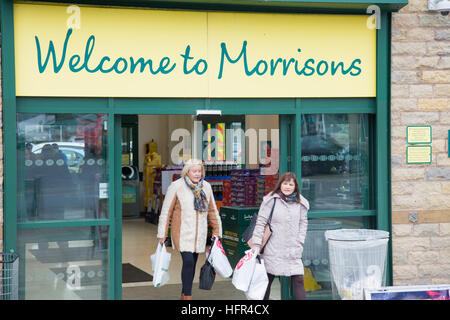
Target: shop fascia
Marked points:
281	66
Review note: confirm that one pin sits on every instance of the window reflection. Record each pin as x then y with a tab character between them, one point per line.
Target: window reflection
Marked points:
335	153
64	263
63	173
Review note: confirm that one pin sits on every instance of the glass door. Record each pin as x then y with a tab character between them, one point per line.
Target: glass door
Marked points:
63	206
336	178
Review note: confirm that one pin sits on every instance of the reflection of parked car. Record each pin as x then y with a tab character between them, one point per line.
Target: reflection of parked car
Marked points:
321	155
73	152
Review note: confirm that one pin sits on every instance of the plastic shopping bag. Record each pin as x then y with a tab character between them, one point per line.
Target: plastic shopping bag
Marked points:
243	272
160	265
218	259
259	282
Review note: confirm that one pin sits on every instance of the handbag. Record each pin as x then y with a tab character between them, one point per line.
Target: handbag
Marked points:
207	276
248	233
207	273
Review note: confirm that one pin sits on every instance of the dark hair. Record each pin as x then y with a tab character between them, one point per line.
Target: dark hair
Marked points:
288	176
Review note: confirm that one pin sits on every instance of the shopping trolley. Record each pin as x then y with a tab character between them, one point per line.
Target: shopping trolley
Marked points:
9	276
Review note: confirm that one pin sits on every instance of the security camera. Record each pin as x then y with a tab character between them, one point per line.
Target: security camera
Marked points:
443	6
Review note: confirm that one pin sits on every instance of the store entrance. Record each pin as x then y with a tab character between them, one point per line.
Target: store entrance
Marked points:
241	155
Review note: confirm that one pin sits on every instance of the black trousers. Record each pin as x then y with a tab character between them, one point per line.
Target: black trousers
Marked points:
299	287
188	271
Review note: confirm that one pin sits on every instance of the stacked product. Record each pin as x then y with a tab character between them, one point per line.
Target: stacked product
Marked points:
247	188
250	186
237	188
270	183
226	192
260	189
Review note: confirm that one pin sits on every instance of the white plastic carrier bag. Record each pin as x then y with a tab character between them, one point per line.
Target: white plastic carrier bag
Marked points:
243	272
218	259
160	265
260	281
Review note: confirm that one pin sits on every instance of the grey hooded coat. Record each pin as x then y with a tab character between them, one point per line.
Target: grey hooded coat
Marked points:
283	252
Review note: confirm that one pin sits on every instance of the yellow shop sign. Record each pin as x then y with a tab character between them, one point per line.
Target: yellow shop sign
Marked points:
115	52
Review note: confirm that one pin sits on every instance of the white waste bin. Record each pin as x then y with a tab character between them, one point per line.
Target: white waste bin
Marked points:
357	261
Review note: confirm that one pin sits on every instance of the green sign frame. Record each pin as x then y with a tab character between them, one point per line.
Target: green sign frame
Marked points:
408	135
418	162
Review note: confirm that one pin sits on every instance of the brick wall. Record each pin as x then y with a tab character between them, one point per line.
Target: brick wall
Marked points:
420	96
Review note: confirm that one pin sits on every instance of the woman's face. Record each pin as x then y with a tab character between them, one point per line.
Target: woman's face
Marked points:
288	187
195	173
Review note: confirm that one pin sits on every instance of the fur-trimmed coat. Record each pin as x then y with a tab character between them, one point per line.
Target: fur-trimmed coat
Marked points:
283	252
189	228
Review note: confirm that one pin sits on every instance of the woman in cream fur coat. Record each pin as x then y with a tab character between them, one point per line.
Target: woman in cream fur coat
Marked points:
188	207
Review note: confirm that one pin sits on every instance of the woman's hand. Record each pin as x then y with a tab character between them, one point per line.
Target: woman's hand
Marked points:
162	240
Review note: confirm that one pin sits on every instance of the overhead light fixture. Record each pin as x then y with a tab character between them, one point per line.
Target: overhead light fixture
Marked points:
209	112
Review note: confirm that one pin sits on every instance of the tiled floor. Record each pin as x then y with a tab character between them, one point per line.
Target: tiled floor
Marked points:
139	243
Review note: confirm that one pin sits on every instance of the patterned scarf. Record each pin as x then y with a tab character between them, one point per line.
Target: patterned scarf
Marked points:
290	198
200	201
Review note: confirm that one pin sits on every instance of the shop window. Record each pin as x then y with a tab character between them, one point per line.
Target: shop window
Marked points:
62	167
64	263
335	161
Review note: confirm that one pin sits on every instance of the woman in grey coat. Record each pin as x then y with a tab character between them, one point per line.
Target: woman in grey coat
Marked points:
283	252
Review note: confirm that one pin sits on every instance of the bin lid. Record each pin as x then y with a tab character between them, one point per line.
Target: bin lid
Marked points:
356	234
322	224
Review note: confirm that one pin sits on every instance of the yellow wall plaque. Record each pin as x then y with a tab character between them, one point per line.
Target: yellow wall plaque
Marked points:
418	134
418	154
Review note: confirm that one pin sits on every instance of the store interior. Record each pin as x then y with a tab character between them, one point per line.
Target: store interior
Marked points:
241	157
153	150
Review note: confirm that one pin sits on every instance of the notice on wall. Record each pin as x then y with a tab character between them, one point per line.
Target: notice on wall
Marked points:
418	134
418	154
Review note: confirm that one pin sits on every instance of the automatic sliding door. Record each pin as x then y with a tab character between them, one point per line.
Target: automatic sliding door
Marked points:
63	228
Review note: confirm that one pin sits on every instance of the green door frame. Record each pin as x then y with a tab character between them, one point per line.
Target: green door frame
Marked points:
290	111
187	107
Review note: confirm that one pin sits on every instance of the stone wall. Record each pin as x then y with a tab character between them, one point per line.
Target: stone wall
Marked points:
420	96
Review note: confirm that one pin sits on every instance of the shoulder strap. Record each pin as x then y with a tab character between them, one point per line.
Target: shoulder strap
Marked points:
271	212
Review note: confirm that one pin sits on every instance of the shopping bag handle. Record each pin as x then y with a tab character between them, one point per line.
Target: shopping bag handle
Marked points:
210	248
